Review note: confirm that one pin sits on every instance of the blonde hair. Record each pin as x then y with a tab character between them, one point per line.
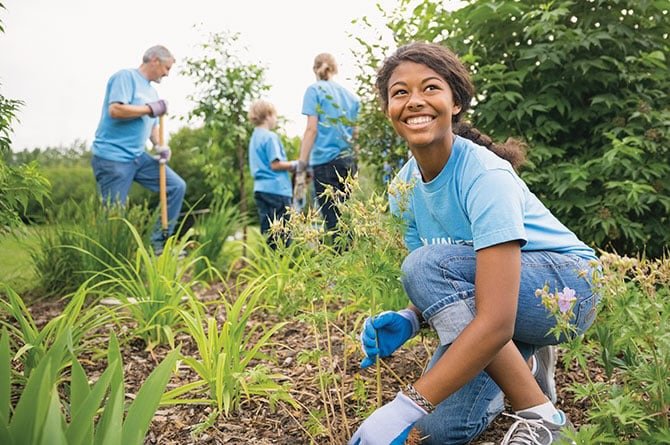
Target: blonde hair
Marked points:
260	110
325	66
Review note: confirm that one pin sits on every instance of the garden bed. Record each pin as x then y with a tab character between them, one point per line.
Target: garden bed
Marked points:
255	422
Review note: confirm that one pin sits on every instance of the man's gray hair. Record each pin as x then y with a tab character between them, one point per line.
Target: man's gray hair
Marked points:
160	52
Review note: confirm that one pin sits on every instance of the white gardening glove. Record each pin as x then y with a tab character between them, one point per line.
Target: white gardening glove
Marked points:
300	187
163	153
390	424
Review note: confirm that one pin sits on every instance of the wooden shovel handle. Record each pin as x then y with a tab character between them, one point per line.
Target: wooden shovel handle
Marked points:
162	178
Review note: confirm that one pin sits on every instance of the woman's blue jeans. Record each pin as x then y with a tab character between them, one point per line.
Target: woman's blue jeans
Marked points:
439	280
115	178
272	207
332	174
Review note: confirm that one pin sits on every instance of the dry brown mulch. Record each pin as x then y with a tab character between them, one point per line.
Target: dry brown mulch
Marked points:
255	422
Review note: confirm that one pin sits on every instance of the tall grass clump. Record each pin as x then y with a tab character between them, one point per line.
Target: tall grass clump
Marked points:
151	288
214	229
228	345
80	318
75	248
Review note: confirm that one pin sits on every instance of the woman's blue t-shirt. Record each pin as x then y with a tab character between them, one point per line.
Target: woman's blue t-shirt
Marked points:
477	199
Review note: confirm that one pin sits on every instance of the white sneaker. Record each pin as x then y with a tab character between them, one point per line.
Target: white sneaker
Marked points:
531	429
545	359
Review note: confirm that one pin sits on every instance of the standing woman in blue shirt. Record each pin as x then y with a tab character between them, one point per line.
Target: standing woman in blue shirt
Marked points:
329	139
481	244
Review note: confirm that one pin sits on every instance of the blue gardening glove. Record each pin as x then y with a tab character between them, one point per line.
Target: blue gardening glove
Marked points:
390	424
386	332
158	108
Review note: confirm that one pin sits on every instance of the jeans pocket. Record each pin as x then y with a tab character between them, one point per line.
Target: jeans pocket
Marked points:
452	319
585	312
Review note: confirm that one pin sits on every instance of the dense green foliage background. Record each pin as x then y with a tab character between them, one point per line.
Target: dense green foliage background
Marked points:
584	83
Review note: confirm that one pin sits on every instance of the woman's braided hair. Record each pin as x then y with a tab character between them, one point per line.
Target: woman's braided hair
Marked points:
444	62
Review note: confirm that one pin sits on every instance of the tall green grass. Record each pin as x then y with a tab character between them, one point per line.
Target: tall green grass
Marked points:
82	320
213	231
73	250
151	288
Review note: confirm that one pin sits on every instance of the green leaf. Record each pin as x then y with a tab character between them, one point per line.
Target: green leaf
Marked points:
110	426
146	401
53	433
5	378
34	402
84	411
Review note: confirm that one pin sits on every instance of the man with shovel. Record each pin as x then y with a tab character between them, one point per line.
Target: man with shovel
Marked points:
130	114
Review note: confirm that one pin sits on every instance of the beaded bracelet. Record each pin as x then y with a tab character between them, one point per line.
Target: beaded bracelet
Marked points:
417	398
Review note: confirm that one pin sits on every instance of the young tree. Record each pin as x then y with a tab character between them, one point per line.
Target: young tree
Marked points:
19	184
226	85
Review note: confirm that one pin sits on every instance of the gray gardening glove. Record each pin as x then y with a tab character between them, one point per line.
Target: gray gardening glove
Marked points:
163	153
158	108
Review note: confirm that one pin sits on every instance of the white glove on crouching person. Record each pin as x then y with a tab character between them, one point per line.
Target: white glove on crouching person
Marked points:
390	424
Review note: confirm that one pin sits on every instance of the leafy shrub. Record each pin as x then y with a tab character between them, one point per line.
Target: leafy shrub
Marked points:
586	85
631	344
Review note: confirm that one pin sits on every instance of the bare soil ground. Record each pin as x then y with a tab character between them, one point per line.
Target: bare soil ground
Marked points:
256	423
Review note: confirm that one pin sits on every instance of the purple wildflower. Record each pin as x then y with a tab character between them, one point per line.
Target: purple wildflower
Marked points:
565	299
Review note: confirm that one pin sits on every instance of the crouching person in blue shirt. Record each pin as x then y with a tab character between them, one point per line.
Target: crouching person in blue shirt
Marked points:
481	244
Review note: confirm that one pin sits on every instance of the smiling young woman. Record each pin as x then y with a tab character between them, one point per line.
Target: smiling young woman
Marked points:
481	243
421	108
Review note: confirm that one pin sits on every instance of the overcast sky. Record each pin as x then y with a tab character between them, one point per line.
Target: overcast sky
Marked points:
56	56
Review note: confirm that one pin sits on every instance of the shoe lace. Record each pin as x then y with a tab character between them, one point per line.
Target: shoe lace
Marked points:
524	431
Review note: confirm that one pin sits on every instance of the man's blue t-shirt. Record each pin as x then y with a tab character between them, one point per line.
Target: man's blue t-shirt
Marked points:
479	200
123	140
337	109
265	147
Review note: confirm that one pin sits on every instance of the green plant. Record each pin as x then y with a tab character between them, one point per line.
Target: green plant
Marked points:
41	417
291	273
631	343
77	247
226	353
79	320
214	228
226	85
152	288
20	184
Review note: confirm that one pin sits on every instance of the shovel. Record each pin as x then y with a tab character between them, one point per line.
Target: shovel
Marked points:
162	180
